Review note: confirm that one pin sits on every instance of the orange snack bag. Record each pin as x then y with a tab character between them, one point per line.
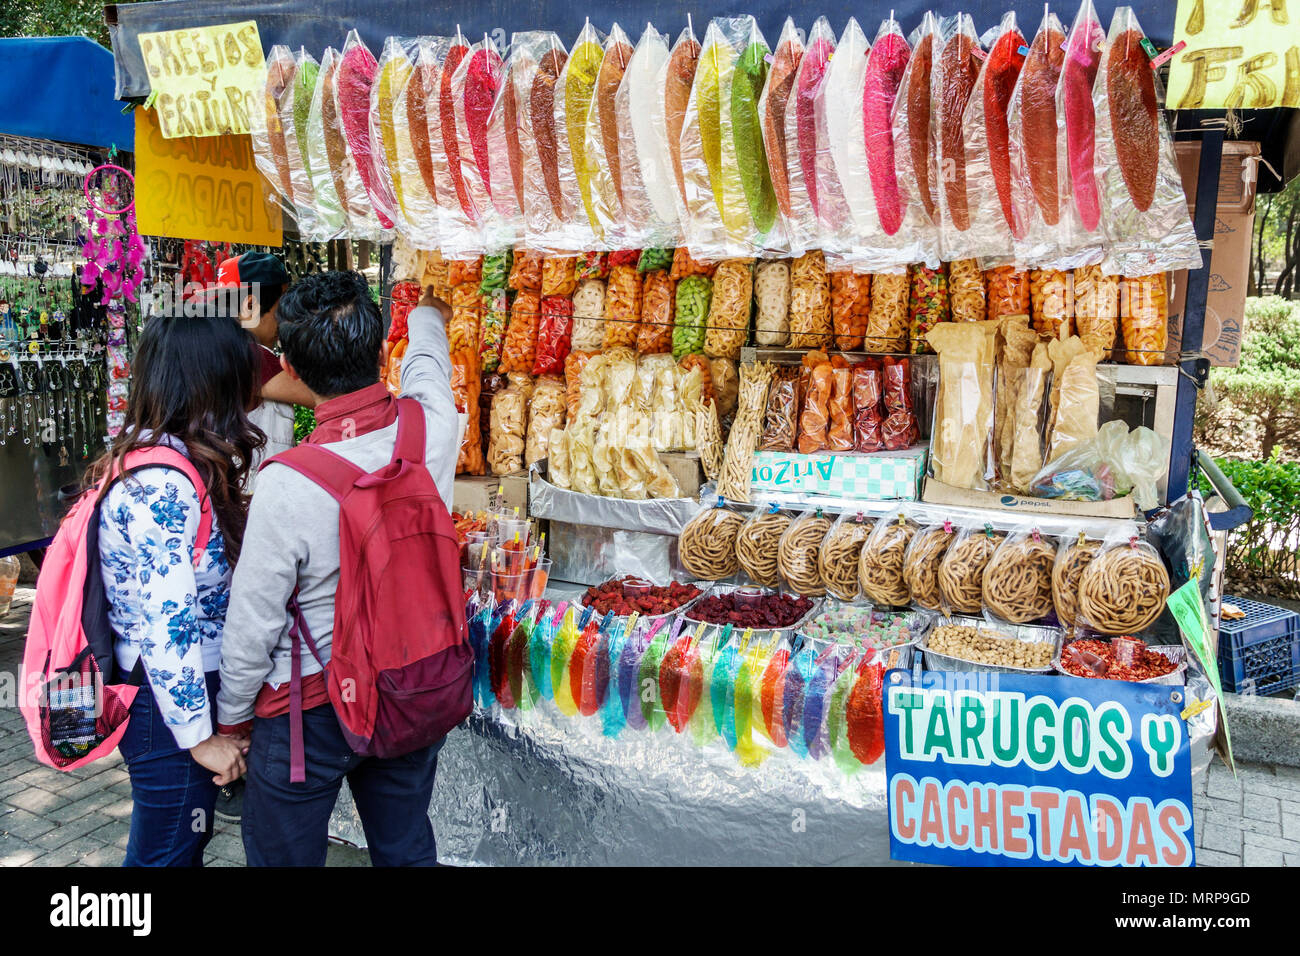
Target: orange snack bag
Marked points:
658	296
815	417
850	308
520	349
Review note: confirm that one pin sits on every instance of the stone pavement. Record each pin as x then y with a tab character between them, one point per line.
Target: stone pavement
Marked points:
48	818
79	818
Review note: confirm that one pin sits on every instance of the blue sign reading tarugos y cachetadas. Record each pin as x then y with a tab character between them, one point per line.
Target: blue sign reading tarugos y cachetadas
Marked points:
1003	769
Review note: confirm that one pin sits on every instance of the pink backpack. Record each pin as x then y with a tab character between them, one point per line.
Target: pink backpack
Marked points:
401	669
75	707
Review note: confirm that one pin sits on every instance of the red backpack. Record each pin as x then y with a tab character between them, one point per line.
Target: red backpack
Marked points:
75	706
400	674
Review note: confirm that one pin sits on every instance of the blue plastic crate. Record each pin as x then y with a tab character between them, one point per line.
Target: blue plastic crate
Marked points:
1260	653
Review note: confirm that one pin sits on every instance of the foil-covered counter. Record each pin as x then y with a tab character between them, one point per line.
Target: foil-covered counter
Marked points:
552	791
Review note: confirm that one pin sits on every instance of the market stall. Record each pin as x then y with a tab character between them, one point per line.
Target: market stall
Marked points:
56	332
824	366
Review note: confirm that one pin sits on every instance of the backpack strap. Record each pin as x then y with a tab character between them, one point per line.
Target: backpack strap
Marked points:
299	634
161	456
332	472
409	446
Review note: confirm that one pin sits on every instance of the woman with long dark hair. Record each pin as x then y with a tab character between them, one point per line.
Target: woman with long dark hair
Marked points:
192	383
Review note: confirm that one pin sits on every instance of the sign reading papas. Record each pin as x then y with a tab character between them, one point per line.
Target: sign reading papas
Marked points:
1012	770
204	79
1238	53
201	188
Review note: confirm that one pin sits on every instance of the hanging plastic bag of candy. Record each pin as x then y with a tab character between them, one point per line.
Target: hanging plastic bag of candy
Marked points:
781	153
504	221
987	143
602	148
803	223
323	167
412	146
392	75
358	70
842	165
362	219
884	240
1143	206
574	92
1035	193
648	190
295	110
1083	238
266	127
475	86
914	149
539	59
457	213
955	69
751	213
701	145
677	80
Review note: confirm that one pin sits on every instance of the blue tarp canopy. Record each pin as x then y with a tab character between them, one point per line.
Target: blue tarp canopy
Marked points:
61	88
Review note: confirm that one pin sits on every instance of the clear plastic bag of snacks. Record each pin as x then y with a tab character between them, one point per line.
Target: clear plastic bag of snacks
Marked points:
728	321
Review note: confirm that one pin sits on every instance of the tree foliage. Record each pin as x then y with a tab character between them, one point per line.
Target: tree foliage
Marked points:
46	18
1266	385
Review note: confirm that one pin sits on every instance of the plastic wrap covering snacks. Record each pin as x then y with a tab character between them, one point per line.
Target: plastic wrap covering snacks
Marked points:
928	304
843	189
602	147
914	149
986	143
295	111
658	306
700	145
801	141
357	73
1082	234
475	85
648	191
622	306
324	154
391	77
885	240
539	58
956	68
728	323
574	92
1143	206
810	302
1031	117
267	128
503	222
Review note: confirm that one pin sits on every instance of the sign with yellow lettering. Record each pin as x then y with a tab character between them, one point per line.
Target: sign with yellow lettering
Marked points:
1238	53
204	80
201	188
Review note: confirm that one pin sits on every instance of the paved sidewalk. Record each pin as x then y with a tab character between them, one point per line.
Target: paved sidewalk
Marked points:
48	818
79	818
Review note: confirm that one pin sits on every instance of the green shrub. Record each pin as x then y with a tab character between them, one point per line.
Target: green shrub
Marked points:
304	421
1262	552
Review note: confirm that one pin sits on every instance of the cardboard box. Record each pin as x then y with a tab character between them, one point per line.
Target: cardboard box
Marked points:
686	468
1230	262
475	492
936	492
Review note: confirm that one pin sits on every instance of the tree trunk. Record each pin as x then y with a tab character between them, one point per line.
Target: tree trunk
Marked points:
1259	273
1289	252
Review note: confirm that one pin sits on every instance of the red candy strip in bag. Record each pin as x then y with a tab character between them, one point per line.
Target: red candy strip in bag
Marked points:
1078	75
885	66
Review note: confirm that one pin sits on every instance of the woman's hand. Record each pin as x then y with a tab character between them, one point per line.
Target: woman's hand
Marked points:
223	756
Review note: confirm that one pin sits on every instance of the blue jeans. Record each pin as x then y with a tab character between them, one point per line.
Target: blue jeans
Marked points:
174	796
287	824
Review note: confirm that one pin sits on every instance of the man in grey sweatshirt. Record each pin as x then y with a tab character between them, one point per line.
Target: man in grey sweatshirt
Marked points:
331	334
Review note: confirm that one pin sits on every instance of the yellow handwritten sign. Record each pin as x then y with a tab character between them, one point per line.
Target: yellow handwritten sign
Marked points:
201	188
1239	53
205	79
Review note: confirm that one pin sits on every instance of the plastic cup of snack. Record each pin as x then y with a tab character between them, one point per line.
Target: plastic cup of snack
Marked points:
511	587
1127	650
538	578
512	530
474	579
477	545
510	558
747	596
636	588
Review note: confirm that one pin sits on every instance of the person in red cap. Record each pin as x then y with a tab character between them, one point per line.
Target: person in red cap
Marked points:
261	279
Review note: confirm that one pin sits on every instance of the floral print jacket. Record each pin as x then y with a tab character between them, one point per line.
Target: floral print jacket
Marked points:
163	609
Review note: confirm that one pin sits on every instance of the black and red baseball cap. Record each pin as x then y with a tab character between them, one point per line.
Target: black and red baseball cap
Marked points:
260	268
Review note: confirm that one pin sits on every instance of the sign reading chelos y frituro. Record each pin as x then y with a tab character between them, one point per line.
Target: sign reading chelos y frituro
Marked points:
204	80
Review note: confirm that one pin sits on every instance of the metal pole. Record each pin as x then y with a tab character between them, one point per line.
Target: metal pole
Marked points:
1192	369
